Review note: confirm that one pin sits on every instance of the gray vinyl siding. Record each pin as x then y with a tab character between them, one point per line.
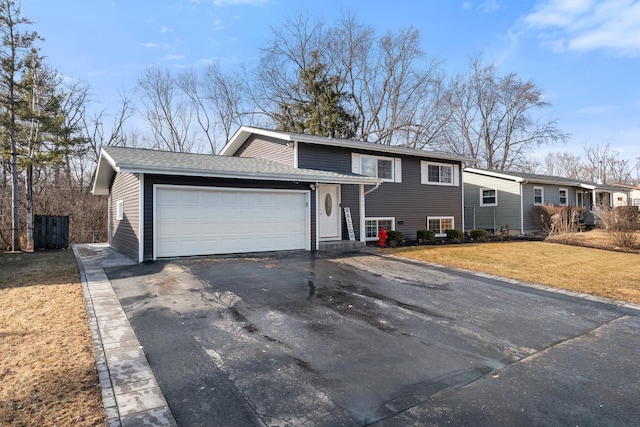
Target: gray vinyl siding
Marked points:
124	235
408	202
267	148
493	218
551	196
151	180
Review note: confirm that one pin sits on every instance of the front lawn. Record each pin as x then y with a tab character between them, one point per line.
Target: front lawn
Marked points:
593	271
48	373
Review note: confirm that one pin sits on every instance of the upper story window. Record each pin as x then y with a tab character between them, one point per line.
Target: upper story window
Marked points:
438	173
538	195
488	197
564	196
376	167
386	168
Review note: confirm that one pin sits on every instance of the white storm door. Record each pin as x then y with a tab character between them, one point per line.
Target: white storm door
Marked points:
329	218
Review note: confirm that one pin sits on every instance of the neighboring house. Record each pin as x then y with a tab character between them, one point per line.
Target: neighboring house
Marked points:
270	191
501	200
626	195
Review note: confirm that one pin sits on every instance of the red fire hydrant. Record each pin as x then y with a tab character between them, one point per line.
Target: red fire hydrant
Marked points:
382	238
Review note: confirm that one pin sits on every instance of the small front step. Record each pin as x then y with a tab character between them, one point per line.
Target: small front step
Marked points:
340	246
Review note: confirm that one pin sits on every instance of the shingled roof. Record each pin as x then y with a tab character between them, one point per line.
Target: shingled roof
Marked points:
541	179
137	160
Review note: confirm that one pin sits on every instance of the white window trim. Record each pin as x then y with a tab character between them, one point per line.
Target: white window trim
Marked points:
378	218
580	195
541	196
635	202
453	224
396	166
482	198
120	210
566	196
424	173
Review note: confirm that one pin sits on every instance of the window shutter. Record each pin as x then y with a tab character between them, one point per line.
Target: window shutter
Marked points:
397	170
423	172
355	163
456	175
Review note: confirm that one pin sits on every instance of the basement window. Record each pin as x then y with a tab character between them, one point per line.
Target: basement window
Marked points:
373	226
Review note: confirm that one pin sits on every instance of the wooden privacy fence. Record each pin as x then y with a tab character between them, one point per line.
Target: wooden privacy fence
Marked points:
50	232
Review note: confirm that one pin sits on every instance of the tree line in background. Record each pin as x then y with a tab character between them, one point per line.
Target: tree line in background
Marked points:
343	80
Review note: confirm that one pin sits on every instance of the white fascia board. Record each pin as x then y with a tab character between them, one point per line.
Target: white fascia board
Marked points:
494	174
104	172
247	175
243	134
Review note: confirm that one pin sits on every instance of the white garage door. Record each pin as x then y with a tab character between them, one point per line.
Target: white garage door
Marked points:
206	221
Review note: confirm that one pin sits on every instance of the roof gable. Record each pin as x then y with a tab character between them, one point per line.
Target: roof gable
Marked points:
245	132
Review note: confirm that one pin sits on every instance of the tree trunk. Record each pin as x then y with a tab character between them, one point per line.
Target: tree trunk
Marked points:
15	219
29	191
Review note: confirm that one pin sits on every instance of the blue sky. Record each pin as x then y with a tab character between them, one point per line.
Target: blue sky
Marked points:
584	54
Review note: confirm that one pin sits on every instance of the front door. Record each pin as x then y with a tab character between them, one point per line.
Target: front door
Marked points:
329	212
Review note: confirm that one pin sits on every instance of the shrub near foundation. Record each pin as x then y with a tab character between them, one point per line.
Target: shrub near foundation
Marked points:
479	234
425	236
455	236
395	238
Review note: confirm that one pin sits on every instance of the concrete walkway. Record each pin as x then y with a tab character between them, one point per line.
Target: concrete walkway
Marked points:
131	394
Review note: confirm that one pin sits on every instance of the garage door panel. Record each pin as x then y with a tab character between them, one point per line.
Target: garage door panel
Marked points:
200	221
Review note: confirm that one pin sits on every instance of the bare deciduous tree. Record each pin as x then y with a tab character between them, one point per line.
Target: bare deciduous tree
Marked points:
602	163
493	117
395	90
169	116
227	94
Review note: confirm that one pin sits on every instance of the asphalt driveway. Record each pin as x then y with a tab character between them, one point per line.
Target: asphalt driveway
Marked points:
309	339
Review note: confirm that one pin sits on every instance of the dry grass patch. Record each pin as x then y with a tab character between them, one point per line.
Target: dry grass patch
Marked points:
596	238
592	271
48	374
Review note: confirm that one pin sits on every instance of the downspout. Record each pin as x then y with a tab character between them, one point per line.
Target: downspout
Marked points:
362	208
522	184
371	190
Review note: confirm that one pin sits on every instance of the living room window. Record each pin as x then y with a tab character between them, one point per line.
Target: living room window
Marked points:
440	224
538	195
488	197
564	196
372	227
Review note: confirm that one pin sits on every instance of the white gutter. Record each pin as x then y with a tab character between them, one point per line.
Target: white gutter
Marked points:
371	190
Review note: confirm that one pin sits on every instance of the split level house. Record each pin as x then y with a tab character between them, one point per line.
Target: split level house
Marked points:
270	191
504	201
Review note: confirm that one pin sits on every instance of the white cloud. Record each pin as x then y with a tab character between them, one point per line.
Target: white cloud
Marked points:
217	25
165	29
585	25
489	6
467	5
150	45
238	2
172	57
